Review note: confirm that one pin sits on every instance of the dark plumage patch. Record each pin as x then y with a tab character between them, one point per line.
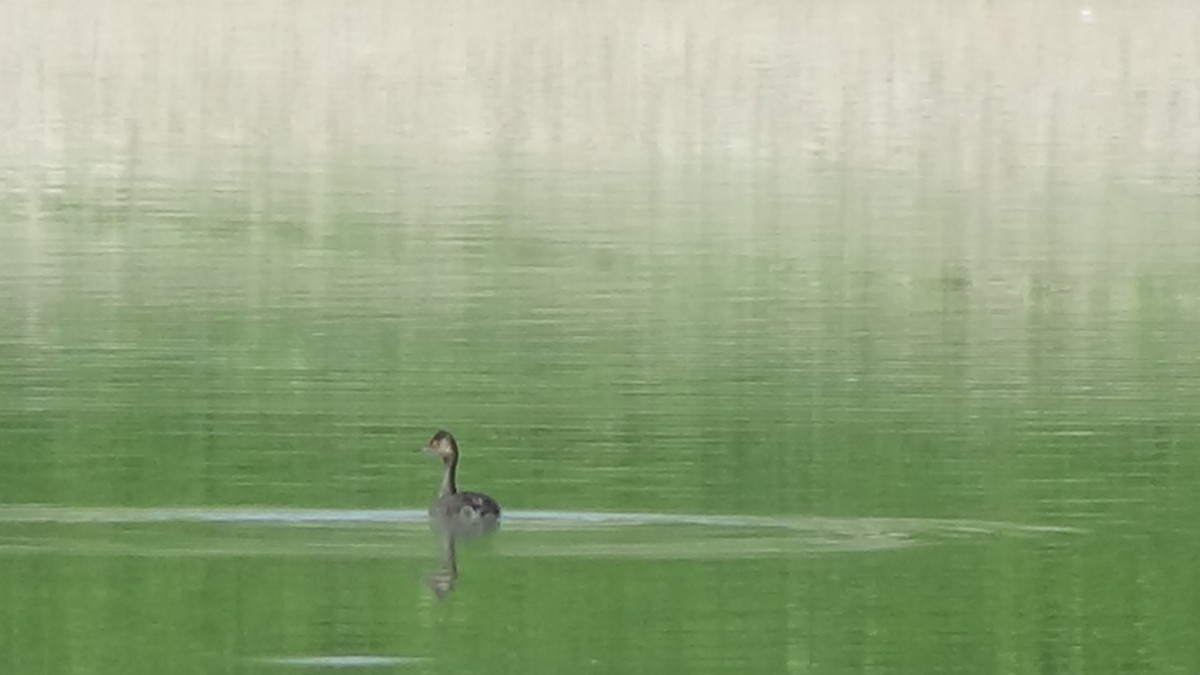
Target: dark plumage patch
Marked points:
480	503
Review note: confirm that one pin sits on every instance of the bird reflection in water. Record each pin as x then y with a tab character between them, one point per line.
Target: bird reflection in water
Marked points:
455	515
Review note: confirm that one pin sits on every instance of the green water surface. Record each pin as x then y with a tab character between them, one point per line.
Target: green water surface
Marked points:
922	399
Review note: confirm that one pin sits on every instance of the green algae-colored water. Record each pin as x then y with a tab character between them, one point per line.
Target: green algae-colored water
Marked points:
791	342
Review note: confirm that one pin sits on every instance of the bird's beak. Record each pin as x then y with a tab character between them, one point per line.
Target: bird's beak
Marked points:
429	449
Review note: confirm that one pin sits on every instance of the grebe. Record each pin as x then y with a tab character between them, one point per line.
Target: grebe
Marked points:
473	509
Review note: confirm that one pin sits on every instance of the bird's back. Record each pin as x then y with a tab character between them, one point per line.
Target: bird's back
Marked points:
466	507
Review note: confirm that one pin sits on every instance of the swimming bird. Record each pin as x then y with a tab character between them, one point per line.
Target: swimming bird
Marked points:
464	511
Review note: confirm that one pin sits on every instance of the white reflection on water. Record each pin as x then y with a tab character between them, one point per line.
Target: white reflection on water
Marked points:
403	533
56	514
358	661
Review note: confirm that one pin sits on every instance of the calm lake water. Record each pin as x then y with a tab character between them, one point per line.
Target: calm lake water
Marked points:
841	338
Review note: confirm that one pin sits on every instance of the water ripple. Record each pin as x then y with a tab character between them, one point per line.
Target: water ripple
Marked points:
397	533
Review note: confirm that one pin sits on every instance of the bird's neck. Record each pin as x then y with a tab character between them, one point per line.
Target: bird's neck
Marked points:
448	485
